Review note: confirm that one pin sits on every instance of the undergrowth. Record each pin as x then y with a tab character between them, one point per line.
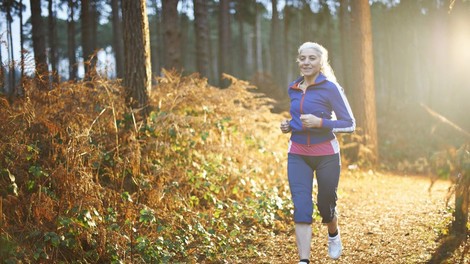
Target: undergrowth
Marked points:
84	181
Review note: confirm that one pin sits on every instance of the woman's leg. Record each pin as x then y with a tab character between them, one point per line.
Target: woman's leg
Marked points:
327	173
333	225
303	236
300	177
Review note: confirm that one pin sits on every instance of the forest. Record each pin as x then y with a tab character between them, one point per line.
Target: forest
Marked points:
147	131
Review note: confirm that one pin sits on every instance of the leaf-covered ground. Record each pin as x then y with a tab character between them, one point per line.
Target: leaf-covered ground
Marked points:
384	219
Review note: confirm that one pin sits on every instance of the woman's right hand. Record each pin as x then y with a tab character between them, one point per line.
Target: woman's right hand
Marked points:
285	127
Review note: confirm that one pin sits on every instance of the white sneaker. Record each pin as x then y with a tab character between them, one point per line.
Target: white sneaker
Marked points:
334	246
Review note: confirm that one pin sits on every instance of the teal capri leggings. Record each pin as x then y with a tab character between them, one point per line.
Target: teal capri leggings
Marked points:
300	171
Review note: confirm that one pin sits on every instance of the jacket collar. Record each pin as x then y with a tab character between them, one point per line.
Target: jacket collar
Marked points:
321	78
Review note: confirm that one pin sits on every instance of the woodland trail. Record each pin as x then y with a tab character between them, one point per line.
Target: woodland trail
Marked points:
383	219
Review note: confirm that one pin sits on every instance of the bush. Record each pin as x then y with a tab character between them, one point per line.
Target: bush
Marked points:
203	175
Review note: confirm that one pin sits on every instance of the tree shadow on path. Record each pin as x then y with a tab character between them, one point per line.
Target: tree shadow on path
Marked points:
449	245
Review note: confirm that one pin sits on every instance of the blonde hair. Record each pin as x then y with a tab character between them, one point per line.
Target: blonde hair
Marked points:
325	64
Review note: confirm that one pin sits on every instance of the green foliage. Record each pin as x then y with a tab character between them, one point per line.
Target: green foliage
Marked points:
8	251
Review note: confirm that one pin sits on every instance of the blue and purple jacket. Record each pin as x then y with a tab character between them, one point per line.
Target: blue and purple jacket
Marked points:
322	99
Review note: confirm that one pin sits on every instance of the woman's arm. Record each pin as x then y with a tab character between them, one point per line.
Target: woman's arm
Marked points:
345	122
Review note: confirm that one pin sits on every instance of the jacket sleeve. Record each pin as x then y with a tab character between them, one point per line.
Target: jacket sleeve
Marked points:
345	122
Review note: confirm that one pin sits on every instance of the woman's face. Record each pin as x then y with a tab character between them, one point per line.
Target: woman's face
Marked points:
309	62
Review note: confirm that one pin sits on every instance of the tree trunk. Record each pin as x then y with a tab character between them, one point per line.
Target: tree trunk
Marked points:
117	38
345	32
138	71
363	75
2	73
156	42
462	191
258	45
87	39
95	18
201	25
286	47
462	203
224	41
12	77
39	46
20	89
171	35
185	50
52	43
242	63
71	45
307	22
276	50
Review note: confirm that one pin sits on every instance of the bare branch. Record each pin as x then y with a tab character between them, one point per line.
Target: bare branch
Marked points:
445	120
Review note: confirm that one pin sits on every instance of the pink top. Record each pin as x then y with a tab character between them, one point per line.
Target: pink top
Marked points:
321	149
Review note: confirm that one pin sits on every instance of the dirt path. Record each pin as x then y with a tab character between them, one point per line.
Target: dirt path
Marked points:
384	219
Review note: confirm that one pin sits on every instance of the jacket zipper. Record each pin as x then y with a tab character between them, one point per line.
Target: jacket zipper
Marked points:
302	111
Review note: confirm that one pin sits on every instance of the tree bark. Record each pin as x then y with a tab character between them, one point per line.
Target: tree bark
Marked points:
21	46
276	50
462	191
202	37
258	45
242	63
346	65
19	90
363	75
224	41
71	44
87	39
2	72
52	43
286	47
184	38
138	71
171	35
39	46
117	38
12	77
157	46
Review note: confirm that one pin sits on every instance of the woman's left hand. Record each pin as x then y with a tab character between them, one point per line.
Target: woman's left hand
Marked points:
311	121
285	126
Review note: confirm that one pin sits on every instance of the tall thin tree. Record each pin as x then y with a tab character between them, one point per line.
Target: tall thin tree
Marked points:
39	46
287	19
52	42
117	38
2	72
171	35
257	42
20	90
9	8
185	49
224	40
276	50
201	25
363	75
156	40
89	58
345	33
71	43
138	71
240	53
